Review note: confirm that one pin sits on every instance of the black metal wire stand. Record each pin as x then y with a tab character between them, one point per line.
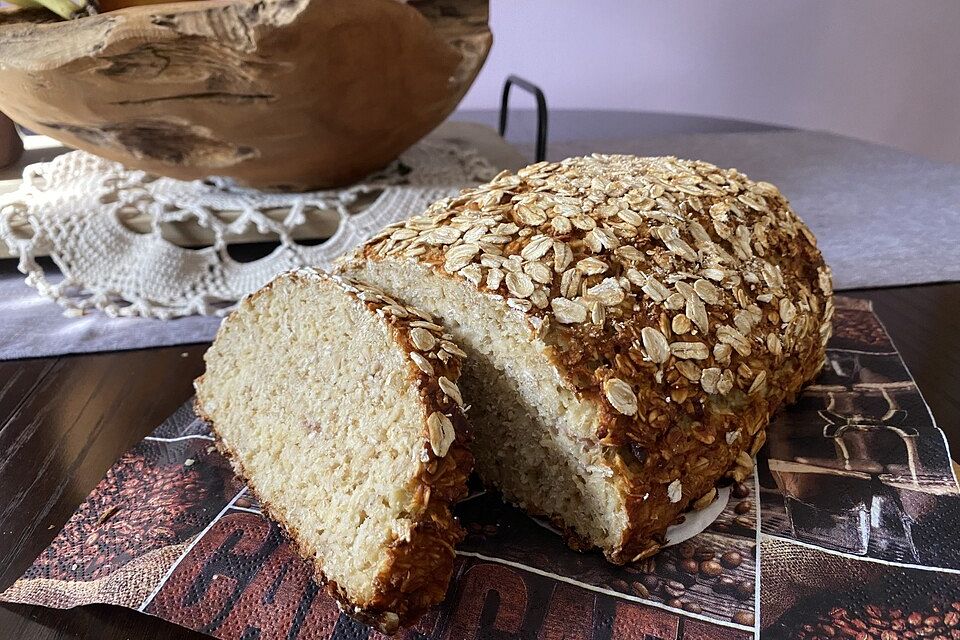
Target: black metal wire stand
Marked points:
540	153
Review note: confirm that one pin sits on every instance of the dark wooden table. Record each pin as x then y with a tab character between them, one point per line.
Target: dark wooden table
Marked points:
64	421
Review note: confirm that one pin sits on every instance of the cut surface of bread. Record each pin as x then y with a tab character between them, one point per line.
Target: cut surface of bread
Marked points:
631	324
534	439
340	408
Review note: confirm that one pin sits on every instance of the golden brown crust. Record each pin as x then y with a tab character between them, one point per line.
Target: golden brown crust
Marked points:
419	565
687	302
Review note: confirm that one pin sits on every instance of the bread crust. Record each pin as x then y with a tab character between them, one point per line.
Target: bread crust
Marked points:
686	302
418	567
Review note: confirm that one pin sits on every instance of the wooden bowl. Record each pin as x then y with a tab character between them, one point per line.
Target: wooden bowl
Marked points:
278	94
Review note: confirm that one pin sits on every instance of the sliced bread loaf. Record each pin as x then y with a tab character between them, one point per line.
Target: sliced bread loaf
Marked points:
631	324
340	408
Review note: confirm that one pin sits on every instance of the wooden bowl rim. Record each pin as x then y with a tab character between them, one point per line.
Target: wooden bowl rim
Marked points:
188	6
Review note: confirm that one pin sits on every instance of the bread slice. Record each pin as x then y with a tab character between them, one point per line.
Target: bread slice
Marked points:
631	324
340	408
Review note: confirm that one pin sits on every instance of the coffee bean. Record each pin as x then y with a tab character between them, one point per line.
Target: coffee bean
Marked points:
725	584
731	560
873	611
243	503
931	621
702	555
620	585
711	568
692	607
915	619
951	619
650	581
740	491
676	603
686	550
746	506
744	590
640	590
827	630
687	579
744	521
673	588
721	527
743	617
689	565
889	635
139	506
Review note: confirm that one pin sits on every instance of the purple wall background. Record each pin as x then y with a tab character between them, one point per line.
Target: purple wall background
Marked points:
882	70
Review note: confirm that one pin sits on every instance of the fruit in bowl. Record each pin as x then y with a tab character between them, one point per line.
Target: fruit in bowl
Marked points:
277	94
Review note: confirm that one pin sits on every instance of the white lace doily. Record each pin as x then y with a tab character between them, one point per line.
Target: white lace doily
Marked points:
80	210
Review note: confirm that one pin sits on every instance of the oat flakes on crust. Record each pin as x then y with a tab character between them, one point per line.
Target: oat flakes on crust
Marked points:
688	301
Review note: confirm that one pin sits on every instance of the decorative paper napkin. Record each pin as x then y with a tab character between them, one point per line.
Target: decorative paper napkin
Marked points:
857	504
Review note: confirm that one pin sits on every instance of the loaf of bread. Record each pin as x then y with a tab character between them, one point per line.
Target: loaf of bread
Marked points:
631	324
340	408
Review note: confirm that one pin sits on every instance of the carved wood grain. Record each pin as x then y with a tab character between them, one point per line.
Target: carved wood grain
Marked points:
279	94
